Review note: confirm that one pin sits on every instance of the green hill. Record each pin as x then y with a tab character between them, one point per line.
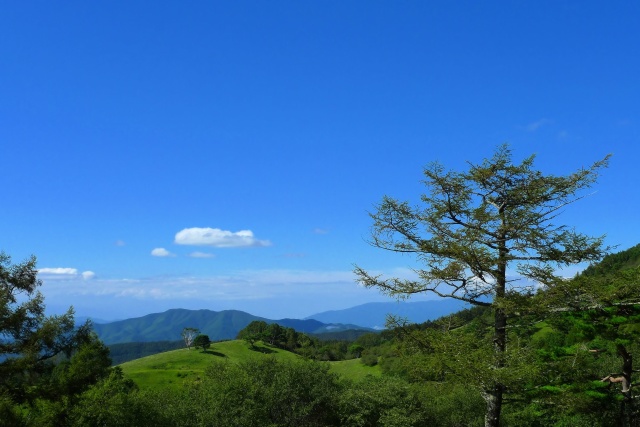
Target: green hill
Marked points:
173	368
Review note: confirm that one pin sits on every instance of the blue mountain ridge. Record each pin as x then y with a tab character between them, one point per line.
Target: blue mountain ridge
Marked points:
218	325
226	324
373	315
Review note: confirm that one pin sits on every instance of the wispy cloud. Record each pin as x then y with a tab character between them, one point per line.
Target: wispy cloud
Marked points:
120	243
59	270
64	273
320	230
244	285
270	293
161	252
218	238
201	255
532	127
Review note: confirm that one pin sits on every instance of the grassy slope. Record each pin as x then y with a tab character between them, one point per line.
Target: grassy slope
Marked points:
172	368
354	370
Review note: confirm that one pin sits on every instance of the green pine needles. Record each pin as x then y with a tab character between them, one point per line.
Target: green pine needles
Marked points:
471	228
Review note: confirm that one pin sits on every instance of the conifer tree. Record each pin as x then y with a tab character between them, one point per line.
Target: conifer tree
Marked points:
477	228
29	340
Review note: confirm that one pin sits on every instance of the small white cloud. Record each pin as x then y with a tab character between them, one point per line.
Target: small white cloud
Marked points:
218	238
201	255
87	275
120	243
320	231
59	271
161	252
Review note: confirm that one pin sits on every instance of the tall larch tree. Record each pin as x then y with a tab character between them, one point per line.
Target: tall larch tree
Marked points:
486	236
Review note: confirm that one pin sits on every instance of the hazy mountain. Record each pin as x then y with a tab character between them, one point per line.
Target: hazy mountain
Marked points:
82	319
373	314
218	325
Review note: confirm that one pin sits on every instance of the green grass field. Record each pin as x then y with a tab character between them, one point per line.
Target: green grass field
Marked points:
173	368
354	370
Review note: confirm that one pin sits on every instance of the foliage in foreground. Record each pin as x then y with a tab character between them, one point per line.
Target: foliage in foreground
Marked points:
269	392
557	358
45	361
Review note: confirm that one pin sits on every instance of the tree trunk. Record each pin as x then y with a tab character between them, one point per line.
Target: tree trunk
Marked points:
493	398
626	406
493	394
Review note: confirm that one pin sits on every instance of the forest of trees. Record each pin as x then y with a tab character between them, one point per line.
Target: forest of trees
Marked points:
559	353
306	345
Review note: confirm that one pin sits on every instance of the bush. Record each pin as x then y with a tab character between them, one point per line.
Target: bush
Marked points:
259	392
369	359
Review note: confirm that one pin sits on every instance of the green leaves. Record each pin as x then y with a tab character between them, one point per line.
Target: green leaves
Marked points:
472	228
30	340
202	341
474	223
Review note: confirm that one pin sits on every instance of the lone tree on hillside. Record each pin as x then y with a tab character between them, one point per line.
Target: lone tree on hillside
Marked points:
473	227
202	341
188	335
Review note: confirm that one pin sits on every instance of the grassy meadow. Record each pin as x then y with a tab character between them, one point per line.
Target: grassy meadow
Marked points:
173	368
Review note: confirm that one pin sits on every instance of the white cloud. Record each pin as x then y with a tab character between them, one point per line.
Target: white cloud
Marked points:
320	230
59	271
120	243
201	255
218	238
161	252
64	273
87	275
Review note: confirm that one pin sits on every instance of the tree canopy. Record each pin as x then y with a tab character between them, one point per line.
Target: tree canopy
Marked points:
188	335
29	339
473	231
46	362
202	341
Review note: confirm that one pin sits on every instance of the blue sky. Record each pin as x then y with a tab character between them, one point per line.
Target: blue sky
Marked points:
224	155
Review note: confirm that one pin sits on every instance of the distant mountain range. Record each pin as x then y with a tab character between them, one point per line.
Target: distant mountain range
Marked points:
221	325
373	315
218	325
